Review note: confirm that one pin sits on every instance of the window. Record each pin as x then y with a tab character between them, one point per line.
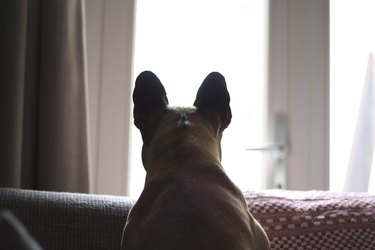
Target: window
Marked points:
192	38
352	42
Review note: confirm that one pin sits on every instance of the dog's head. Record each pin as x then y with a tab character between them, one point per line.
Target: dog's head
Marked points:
180	129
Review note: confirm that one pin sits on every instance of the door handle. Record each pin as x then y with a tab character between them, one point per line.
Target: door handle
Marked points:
278	149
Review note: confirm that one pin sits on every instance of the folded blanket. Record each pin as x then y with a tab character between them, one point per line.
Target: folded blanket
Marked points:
315	219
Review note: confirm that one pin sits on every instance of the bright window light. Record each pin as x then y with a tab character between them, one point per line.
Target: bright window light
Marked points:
182	42
352	40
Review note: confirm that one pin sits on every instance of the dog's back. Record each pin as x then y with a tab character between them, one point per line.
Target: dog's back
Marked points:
188	201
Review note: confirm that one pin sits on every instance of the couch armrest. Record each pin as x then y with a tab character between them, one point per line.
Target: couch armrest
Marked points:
69	220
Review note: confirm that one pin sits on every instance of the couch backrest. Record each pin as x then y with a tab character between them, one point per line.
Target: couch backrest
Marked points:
69	220
291	219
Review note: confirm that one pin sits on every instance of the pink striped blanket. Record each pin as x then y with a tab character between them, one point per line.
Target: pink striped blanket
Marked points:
315	219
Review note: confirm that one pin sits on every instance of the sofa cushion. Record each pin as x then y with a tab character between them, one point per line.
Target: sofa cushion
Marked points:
315	219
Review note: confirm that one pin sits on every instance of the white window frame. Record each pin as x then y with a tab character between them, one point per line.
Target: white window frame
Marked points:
299	87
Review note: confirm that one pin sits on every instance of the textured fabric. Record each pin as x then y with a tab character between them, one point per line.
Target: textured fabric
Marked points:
292	220
69	220
43	96
315	220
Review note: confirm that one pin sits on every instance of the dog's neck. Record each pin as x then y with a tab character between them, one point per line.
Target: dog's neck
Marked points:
183	139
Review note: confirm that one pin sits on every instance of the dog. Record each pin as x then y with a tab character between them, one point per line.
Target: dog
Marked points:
188	202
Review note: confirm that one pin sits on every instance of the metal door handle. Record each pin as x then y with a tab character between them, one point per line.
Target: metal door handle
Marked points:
279	151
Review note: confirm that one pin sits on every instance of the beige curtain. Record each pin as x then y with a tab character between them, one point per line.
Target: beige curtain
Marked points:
43	96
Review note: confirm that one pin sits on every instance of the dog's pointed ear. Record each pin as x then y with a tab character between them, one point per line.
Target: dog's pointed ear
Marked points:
213	101
149	95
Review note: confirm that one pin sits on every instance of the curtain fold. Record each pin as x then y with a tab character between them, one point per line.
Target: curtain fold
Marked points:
361	156
43	93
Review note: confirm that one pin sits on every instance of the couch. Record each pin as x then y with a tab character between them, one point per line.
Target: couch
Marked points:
292	219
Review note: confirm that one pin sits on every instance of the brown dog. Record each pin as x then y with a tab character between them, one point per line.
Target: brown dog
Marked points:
188	201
